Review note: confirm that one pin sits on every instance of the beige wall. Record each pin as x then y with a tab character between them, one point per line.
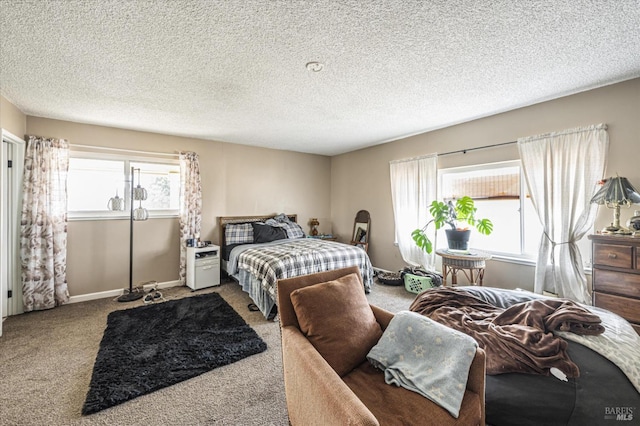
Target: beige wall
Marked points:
360	179
242	180
236	180
12	119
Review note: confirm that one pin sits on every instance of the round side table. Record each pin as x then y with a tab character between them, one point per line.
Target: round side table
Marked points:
471	264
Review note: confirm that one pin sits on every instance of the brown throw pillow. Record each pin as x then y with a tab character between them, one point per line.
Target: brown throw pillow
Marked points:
338	321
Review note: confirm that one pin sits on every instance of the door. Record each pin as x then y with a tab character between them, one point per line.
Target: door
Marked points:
11	160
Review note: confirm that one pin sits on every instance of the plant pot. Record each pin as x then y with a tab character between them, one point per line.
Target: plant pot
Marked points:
458	240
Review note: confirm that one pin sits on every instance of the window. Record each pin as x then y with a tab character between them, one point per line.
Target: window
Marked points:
497	189
95	178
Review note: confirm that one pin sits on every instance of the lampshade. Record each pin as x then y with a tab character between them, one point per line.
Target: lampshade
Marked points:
140	214
139	193
116	203
616	190
615	193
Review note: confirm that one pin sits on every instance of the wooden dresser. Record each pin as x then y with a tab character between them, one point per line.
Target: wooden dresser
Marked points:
616	275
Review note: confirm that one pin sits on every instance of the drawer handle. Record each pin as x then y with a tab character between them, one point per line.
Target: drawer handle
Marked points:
612	256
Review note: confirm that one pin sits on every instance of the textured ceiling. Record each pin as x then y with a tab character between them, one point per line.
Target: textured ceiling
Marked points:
234	70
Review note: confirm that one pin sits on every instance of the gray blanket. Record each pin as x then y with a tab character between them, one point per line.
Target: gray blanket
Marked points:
423	356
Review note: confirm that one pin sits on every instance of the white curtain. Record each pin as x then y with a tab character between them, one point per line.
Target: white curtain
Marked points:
43	227
190	205
562	170
413	187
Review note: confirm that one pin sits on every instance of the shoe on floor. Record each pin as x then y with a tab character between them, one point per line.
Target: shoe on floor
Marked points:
153	296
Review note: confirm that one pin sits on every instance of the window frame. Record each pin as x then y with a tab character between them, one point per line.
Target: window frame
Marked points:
522	257
127	159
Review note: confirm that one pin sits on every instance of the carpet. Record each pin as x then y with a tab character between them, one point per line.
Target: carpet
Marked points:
151	347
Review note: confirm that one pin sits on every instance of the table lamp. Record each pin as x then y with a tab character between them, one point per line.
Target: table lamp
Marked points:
313	223
616	192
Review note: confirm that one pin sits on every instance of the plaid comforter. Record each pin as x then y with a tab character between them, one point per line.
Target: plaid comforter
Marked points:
302	256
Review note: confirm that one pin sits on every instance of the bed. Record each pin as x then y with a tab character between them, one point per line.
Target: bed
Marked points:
256	254
605	391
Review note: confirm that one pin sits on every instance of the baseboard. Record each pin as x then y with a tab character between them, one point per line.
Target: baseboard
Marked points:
119	292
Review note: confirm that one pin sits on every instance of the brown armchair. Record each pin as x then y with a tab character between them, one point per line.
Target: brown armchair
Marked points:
326	390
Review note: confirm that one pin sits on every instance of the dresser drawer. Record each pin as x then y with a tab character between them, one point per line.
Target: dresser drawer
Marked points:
618	256
619	283
628	309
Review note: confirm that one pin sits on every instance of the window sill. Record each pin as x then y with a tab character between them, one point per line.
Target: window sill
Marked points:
513	259
526	261
95	217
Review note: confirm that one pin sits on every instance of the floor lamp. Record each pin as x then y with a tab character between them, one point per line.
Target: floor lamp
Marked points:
139	194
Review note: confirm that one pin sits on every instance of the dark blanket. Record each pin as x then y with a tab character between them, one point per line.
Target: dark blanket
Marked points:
534	400
517	339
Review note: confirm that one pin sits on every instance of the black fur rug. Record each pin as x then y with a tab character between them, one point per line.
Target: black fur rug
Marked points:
151	347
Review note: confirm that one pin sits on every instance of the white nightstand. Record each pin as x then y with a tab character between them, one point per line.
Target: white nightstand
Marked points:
203	267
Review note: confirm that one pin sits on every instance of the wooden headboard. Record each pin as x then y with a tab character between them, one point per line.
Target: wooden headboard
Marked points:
223	221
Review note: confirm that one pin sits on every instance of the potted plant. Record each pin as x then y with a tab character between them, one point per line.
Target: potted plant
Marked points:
451	214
